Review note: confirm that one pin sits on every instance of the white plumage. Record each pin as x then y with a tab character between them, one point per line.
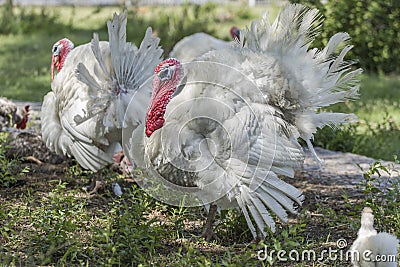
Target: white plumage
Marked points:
231	127
373	249
198	44
84	113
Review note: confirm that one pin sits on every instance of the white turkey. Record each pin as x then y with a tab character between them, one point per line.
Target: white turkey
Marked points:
11	115
84	113
197	44
370	246
223	128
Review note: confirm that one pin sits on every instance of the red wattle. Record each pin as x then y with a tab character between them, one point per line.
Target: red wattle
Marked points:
52	68
162	94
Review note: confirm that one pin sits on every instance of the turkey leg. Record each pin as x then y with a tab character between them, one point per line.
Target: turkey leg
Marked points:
208	232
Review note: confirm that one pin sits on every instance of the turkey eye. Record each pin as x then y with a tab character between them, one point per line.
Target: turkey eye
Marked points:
56	49
165	73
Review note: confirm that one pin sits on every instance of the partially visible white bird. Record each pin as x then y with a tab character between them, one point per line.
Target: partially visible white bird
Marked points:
11	115
373	249
225	126
197	44
83	115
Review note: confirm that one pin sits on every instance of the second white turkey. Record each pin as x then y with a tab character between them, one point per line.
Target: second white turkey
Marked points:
198	44
84	114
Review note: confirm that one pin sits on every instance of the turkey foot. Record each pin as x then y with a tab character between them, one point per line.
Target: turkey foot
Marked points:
32	159
208	232
96	184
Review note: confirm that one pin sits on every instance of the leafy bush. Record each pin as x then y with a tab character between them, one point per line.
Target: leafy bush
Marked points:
370	139
27	20
61	219
173	26
373	25
383	195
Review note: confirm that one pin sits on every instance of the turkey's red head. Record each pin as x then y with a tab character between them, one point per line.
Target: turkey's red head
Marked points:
235	33
22	124
60	51
168	74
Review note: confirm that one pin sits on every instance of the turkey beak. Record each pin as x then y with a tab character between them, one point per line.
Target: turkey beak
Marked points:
55	57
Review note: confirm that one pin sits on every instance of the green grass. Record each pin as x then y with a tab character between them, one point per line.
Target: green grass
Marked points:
9	169
51	222
379	95
377	132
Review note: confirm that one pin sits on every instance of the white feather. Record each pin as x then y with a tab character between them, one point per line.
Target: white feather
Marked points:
117	189
196	45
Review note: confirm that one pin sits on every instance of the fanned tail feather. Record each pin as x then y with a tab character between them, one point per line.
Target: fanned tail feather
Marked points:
315	78
295	26
95	45
275	195
113	88
145	60
117	42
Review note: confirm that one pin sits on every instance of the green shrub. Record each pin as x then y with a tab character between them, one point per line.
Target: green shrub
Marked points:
382	195
374	26
28	20
171	27
59	222
351	138
129	236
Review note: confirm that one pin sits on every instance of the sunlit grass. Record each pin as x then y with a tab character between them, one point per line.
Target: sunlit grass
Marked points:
377	134
53	223
379	97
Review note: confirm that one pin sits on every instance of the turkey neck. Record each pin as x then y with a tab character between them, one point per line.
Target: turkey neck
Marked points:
57	60
162	94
